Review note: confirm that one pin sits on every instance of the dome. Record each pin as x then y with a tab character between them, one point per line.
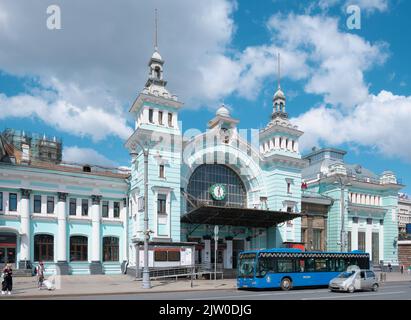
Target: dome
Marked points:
156	56
279	94
223	111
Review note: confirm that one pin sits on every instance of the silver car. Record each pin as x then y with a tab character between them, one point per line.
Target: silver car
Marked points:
351	281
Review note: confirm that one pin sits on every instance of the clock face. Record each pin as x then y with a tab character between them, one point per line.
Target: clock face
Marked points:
218	191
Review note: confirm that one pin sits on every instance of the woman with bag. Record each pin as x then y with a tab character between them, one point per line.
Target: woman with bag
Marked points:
7	284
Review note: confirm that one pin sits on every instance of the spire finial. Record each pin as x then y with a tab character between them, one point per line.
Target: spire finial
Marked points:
279	71
156	32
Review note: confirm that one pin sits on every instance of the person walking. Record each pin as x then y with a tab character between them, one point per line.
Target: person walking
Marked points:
389	267
7	284
40	274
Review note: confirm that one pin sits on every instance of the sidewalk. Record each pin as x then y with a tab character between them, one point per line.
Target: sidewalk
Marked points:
24	288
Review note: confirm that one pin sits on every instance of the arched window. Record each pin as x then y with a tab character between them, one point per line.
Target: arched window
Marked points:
207	175
43	247
157	72
110	249
78	248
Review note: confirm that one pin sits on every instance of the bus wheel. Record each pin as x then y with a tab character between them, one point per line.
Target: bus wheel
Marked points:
286	284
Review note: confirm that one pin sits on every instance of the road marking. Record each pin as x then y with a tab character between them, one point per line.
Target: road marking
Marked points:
252	295
353	296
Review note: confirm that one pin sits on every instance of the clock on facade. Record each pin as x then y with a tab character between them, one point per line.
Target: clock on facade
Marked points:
218	191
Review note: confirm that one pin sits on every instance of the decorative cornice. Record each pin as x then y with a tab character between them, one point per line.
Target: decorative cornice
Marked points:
25	193
95	199
62	196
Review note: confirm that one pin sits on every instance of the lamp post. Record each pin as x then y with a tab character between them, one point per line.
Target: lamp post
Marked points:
342	208
146	231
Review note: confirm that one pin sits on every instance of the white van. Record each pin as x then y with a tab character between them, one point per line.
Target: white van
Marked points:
354	279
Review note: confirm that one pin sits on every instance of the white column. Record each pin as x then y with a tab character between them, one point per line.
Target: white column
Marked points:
124	241
25	226
207	253
145	115
229	256
95	229
277	142
155	116
296	146
354	236
368	239
381	242
271	144
62	227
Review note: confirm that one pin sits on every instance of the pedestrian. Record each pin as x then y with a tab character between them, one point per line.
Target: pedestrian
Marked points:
389	267
402	269
7	284
40	274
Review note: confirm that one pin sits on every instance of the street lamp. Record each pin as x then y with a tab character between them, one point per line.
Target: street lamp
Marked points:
146	231
342	184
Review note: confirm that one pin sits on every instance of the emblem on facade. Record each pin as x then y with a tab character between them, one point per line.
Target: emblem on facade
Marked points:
218	191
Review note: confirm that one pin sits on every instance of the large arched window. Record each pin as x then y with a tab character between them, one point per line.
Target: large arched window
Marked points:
207	175
110	249
43	247
78	248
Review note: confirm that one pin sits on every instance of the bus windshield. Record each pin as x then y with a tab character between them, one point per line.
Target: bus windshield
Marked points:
246	267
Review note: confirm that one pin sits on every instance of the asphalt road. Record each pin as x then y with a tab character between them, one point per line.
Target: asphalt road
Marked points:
387	291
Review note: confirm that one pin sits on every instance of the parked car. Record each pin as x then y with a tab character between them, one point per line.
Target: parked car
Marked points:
352	280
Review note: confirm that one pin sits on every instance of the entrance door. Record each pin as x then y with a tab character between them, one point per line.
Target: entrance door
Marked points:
238	246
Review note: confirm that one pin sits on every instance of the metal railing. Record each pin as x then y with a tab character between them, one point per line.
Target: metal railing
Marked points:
194	271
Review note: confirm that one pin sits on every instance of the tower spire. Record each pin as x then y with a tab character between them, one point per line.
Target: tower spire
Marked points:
278	71
156	31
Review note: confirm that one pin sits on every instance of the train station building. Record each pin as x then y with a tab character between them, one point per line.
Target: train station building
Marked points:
261	193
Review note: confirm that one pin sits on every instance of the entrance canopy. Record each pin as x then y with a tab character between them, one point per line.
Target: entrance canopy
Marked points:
244	217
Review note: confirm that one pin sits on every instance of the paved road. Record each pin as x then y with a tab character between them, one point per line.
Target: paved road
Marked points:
388	291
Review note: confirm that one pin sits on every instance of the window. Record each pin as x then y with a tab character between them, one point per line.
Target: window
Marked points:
160	117
288	187
1	201
37	204
105	209
161	204
370	274
110	249
78	248
320	265
84	207
116	209
349	241
167	255
43	247
150	115
50	204
161	171
170	120
72	207
316	239
207	175
12	201
140	204
285	265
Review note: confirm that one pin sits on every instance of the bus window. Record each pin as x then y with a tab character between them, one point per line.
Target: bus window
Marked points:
246	268
285	265
300	265
309	265
320	265
265	265
331	265
341	265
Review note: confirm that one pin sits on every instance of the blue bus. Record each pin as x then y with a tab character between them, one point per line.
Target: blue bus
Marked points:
288	268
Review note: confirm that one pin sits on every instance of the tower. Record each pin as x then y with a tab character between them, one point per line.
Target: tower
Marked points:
157	131
282	165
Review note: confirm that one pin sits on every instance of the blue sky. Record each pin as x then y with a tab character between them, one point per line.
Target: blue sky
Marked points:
345	88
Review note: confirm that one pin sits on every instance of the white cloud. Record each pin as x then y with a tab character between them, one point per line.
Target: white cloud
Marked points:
336	60
370	5
380	123
62	114
86	156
